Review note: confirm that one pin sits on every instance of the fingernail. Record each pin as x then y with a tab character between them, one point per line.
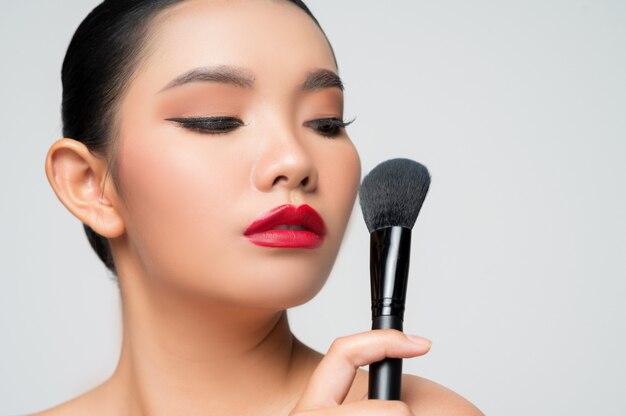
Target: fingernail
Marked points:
420	340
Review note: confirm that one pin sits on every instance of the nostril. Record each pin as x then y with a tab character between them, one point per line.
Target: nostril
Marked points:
278	178
304	182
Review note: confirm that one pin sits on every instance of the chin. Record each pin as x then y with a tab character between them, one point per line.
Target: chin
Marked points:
279	285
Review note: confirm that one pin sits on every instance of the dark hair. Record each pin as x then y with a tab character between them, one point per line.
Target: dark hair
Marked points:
100	60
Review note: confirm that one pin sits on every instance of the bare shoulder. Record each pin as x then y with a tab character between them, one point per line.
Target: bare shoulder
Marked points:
89	403
77	406
71	407
423	396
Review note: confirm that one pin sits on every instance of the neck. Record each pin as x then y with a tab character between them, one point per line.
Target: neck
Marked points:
180	353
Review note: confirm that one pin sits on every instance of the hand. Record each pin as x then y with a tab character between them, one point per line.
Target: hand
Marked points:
330	382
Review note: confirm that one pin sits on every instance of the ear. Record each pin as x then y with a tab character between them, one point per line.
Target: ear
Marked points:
80	181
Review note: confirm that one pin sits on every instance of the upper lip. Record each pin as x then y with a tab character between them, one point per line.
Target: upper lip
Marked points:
304	215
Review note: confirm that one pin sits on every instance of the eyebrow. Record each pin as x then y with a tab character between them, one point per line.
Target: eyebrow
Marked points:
321	78
244	78
225	74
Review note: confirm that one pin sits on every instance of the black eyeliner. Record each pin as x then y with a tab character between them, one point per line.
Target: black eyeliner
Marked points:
184	120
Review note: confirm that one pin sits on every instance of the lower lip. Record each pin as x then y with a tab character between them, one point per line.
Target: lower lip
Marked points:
286	239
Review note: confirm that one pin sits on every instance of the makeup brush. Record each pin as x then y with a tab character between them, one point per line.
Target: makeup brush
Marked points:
391	197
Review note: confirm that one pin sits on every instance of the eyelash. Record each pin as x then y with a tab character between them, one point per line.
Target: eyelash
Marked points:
223	125
335	124
208	125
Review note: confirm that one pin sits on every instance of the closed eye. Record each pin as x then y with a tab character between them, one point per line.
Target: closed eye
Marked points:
328	127
208	125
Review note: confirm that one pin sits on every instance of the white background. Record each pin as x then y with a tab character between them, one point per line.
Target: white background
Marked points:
518	274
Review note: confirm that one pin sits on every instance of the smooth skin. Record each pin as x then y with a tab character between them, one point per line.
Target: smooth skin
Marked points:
205	329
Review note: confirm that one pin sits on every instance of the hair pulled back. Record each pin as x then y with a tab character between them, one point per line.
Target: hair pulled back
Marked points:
99	63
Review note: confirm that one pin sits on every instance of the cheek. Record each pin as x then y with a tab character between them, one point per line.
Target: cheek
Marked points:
177	193
340	175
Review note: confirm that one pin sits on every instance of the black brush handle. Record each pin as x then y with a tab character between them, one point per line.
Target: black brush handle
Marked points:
390	248
385	377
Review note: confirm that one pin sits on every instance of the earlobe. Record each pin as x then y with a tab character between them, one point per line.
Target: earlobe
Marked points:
78	179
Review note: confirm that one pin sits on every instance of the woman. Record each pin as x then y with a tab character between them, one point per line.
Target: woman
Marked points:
206	154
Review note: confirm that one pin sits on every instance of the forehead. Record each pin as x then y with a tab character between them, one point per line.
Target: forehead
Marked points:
274	38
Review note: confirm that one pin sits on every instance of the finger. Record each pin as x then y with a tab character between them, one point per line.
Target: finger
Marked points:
330	382
361	408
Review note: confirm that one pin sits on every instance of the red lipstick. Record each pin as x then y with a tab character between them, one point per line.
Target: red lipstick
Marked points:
288	227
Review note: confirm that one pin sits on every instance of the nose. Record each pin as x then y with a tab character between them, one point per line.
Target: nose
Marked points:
285	162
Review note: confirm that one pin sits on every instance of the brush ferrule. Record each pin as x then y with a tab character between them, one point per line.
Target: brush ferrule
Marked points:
390	249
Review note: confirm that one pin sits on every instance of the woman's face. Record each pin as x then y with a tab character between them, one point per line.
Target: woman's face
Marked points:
189	195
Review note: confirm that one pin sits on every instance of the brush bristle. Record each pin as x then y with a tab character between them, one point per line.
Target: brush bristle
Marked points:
392	194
